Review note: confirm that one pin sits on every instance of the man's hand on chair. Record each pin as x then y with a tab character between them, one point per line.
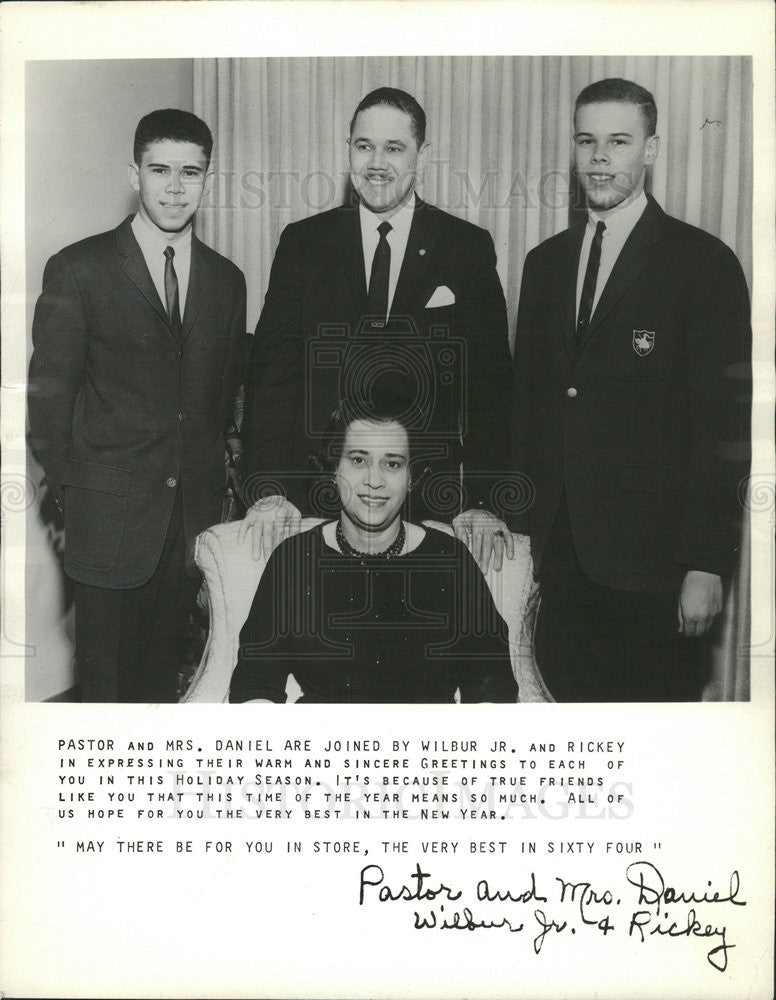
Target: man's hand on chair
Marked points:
270	521
484	534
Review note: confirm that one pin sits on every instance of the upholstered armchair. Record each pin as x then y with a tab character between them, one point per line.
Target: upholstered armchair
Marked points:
231	576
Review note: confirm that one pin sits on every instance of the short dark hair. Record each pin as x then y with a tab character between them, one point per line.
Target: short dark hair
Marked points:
389	97
386	404
625	91
171	123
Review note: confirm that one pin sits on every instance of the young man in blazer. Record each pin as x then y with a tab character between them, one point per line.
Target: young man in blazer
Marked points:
132	382
631	420
385	286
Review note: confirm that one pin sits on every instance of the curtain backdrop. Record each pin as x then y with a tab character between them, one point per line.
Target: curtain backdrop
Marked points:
500	130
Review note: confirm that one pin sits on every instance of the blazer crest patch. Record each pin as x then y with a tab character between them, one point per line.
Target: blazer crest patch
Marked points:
643	341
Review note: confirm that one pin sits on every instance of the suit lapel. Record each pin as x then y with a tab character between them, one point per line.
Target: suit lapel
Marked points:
351	253
200	279
639	249
135	267
418	256
573	248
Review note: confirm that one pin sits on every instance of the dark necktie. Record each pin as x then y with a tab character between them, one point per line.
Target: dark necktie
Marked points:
377	303
171	291
588	285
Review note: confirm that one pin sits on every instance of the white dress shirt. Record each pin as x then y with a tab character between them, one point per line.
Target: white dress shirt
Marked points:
397	240
152	244
619	226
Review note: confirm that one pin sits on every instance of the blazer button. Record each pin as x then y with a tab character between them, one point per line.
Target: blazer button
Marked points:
571	392
172	481
181	417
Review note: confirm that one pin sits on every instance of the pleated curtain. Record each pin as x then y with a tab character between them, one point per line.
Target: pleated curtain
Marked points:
500	131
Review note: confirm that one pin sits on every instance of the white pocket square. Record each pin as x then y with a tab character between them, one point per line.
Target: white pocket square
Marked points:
442	297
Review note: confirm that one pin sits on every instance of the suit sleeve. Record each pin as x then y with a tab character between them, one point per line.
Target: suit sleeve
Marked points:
482	322
718	380
519	431
275	378
263	663
57	368
234	369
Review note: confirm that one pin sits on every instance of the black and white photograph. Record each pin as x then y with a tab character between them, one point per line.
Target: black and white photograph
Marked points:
437	381
624	459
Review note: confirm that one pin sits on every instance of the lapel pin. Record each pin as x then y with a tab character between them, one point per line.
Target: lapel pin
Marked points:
422	253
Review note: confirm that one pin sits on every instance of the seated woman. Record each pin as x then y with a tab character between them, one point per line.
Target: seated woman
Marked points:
370	608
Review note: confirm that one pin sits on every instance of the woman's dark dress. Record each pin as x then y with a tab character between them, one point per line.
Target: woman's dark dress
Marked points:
410	629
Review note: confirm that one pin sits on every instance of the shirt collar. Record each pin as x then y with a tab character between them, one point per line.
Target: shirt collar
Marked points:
152	240
400	222
622	220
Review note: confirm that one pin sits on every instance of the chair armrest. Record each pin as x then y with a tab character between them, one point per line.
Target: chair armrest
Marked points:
231	576
516	596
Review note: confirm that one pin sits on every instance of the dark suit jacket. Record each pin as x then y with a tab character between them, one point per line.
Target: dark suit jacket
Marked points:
311	348
121	412
647	424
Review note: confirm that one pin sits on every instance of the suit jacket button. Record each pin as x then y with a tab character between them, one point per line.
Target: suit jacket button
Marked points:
181	417
571	392
172	481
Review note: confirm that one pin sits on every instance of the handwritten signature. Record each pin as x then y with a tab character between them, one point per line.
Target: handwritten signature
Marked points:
659	908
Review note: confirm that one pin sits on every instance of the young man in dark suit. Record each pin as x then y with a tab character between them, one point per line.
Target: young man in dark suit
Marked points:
631	419
132	382
385	284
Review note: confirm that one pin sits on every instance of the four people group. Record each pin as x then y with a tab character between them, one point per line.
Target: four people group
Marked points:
628	399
